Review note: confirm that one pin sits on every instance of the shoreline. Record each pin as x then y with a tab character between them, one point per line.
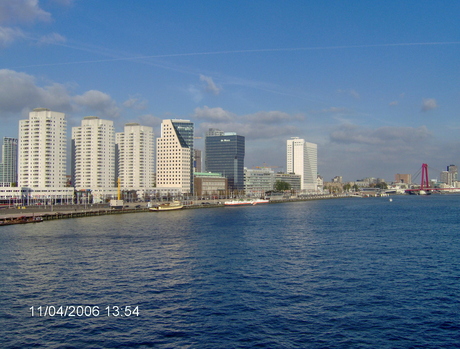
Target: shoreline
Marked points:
78	211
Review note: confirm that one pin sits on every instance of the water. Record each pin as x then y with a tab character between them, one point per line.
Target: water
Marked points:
344	273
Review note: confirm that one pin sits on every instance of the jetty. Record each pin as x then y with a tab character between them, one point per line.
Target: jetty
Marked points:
46	213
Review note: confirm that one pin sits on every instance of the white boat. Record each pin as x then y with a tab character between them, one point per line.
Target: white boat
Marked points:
168	206
246	202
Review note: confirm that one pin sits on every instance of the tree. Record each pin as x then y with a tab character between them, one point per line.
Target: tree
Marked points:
281	186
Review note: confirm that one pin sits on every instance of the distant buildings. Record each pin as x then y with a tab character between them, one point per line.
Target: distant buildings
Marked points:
9	164
210	185
292	179
174	156
197	161
302	160
451	176
257	181
224	153
337	179
403	178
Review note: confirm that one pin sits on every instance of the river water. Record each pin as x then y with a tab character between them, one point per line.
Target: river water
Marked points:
342	273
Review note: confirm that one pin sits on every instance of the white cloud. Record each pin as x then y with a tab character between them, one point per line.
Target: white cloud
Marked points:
99	102
213	114
50	39
63	2
135	103
210	85
22	11
20	90
150	120
9	35
25	12
429	104
273	117
258	126
353	134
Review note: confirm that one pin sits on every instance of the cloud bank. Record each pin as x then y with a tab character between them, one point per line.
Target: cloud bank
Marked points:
20	92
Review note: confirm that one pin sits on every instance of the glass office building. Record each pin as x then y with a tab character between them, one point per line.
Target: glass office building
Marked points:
9	165
224	153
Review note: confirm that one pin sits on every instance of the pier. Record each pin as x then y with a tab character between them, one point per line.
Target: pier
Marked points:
48	212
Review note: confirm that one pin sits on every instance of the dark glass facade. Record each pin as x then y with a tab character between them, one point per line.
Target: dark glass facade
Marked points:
225	154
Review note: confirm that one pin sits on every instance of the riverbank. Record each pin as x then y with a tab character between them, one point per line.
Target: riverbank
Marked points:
77	211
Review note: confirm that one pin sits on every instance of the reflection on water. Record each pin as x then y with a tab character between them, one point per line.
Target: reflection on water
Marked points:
345	272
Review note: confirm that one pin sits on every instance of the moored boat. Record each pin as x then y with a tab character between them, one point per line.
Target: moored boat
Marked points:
167	206
246	202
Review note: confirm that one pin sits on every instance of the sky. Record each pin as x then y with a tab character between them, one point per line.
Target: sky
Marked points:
375	84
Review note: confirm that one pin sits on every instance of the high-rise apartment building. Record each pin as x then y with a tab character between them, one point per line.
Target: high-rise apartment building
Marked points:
224	153
93	153
42	150
174	164
9	164
302	160
136	157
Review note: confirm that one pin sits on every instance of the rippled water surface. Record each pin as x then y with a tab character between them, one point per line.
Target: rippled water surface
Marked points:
344	273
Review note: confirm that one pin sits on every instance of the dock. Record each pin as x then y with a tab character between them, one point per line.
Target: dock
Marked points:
48	213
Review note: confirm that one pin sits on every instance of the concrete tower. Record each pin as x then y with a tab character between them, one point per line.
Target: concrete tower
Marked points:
136	157
93	148
302	160
174	163
42	150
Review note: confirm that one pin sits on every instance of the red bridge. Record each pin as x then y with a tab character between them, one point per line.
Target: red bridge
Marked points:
425	184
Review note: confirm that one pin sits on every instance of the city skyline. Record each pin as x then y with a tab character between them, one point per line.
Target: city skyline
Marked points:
374	85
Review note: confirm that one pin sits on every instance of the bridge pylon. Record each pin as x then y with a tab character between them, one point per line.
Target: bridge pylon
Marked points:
424	182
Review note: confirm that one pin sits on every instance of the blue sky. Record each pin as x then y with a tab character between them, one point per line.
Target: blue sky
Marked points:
375	84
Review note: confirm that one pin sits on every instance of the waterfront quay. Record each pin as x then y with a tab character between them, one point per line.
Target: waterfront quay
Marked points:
51	212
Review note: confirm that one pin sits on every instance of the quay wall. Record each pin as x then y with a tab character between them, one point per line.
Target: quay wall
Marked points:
66	212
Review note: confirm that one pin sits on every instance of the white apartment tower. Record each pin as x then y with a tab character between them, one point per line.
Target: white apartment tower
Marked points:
302	160
174	155
136	157
93	151
42	150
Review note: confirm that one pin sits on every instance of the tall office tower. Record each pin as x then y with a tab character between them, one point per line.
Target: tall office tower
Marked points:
9	164
42	150
175	155
224	153
93	152
302	160
136	157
